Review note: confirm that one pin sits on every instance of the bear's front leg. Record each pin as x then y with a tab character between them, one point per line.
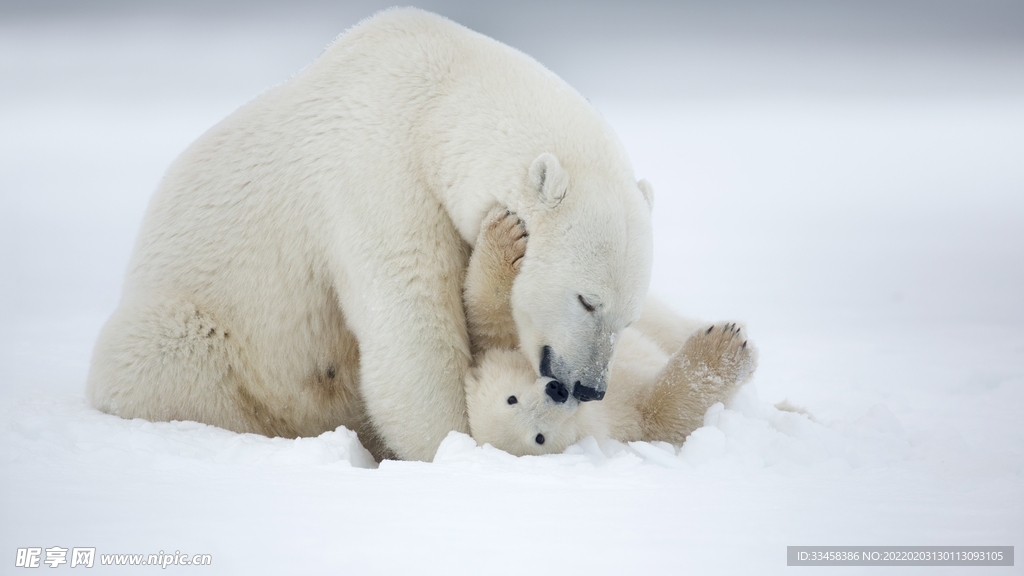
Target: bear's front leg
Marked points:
413	358
493	267
401	294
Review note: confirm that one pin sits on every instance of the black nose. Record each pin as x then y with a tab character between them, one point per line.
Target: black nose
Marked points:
557	391
586	393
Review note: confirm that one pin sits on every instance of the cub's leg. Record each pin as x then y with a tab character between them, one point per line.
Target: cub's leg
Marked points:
664	326
709	368
493	267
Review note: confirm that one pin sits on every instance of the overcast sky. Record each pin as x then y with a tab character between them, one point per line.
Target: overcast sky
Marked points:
544	22
664	50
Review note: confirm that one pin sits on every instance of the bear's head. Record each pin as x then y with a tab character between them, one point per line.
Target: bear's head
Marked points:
586	270
510	409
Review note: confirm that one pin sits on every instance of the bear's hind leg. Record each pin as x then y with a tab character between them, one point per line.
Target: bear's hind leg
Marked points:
167	359
664	326
709	368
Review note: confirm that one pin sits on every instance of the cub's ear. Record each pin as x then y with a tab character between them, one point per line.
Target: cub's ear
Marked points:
548	179
647	191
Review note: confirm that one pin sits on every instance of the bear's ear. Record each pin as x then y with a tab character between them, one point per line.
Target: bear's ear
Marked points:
548	179
647	191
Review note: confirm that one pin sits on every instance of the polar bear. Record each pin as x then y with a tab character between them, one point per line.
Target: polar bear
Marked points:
665	374
300	266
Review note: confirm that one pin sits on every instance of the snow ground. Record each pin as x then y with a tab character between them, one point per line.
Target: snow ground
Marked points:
873	243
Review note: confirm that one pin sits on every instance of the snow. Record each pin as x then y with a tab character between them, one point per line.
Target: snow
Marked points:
872	241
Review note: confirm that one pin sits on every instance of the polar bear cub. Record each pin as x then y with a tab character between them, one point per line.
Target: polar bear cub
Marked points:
665	373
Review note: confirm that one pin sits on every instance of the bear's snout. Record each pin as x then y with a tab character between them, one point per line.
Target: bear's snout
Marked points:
557	391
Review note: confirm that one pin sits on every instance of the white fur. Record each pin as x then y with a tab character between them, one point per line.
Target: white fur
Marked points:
500	374
305	256
653	395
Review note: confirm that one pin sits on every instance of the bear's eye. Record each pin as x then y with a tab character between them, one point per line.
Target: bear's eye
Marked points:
586	305
512	400
539	438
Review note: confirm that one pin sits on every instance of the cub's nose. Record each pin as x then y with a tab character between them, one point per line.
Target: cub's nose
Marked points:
557	391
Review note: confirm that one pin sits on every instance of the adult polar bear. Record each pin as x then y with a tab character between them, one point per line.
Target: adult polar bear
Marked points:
300	266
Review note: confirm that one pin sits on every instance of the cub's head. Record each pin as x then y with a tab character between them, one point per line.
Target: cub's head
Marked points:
510	409
586	269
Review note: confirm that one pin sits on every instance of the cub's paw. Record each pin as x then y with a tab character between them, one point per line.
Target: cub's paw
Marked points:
721	355
503	238
487	291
